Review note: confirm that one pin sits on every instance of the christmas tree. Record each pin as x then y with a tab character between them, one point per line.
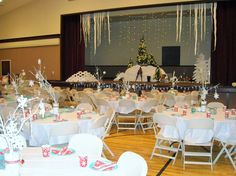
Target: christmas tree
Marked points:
145	58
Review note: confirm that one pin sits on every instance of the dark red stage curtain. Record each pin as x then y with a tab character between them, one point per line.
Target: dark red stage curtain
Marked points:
72	46
223	59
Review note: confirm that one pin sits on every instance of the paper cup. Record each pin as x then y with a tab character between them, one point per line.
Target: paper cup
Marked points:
226	114
46	150
83	161
184	112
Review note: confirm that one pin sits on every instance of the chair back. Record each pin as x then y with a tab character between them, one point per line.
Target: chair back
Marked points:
100	122
84	106
164	120
169	100
132	164
215	105
126	106
199	131
111	115
86	145
149	105
102	105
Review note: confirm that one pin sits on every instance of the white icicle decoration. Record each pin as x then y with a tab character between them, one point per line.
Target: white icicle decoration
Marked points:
201	18
180	22
108	28
190	20
204	20
215	23
177	23
98	21
86	28
195	28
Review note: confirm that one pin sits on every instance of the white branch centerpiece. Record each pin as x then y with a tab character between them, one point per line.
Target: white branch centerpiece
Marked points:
10	133
45	85
99	75
18	81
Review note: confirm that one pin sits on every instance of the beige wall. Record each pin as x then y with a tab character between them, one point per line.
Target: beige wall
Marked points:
27	59
42	17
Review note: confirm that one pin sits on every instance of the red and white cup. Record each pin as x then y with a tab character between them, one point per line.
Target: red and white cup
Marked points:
184	112
224	108
46	150
176	109
79	113
34	117
83	161
58	117
208	115
226	114
233	112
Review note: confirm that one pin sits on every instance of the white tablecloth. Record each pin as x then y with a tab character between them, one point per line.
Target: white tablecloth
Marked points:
47	131
223	127
36	165
139	102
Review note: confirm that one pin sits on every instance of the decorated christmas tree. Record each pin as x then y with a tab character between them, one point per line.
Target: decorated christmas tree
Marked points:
145	58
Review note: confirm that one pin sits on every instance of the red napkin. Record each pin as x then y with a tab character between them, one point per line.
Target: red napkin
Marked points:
63	151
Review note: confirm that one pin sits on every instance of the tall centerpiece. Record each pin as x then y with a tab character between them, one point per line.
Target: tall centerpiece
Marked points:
99	75
10	134
46	86
201	75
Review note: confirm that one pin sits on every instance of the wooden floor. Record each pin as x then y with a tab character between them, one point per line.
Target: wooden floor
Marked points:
143	144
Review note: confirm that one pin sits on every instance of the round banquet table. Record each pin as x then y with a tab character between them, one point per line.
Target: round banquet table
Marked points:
66	165
223	127
48	131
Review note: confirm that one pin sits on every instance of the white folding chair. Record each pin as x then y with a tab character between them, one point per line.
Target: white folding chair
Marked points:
215	105
167	134
60	133
199	133
145	116
84	106
128	114
131	164
102	126
102	105
169	100
195	97
86	145
228	147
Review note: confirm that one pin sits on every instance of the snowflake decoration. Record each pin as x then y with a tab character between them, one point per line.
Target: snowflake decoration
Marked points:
31	83
22	102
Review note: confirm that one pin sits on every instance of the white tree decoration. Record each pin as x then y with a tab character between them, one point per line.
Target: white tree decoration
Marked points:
99	75
18	81
202	70
10	130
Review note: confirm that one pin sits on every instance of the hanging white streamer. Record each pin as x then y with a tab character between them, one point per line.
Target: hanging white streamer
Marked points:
190	21
86	28
95	35
108	27
204	20
195	28
215	23
201	18
177	23
180	22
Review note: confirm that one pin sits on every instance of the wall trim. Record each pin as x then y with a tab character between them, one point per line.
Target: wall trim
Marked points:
21	39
